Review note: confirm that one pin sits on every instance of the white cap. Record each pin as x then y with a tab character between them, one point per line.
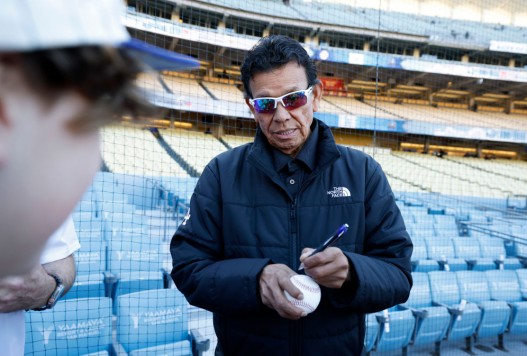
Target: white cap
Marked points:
28	25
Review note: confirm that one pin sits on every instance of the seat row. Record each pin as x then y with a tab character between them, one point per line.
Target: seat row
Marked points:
434	253
451	306
120	266
120	260
153	322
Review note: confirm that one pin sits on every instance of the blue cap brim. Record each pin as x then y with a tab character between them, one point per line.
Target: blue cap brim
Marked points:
158	58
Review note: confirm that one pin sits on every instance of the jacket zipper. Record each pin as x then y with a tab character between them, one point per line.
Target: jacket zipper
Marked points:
295	341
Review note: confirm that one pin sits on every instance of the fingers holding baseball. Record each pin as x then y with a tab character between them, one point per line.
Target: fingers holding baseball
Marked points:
329	268
274	280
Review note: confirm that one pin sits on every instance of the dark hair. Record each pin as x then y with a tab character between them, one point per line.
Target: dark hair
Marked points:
273	52
105	76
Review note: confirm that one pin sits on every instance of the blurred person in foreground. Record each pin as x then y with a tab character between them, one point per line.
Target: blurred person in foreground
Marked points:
66	68
259	210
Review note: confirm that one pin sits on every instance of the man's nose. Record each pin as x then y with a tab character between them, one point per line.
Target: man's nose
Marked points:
281	113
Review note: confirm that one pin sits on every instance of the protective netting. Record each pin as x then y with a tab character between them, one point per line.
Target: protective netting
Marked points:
435	91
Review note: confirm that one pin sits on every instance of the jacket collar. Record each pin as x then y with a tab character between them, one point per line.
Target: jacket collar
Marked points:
261	152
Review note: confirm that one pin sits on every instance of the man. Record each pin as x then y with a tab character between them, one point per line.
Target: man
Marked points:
258	211
66	68
38	289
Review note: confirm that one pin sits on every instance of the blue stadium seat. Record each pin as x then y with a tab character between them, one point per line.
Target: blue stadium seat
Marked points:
92	279
155	322
396	328
126	223
520	249
88	227
422	218
445	220
137	264
422	231
445	225
522	280
495	314
493	247
504	285
431	322
420	260
372	333
441	249
519	231
468	248
73	327
464	316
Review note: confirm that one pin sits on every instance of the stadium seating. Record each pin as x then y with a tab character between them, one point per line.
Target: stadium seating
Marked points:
396	329
114	237
92	279
137	264
73	327
420	260
441	249
195	147
493	247
372	333
134	151
522	280
504	285
155	322
495	314
431	322
468	248
464	315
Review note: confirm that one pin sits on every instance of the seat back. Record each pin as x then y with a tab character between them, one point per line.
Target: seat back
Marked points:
444	287
72	327
473	286
466	248
88	228
491	247
91	257
420	295
372	332
522	280
504	285
151	318
419	252
134	253
439	248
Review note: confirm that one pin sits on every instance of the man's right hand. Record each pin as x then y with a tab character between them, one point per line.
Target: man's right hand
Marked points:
276	278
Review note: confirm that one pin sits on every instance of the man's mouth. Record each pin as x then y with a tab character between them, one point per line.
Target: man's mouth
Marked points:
284	132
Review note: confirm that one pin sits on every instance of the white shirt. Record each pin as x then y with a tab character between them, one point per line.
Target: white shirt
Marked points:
60	245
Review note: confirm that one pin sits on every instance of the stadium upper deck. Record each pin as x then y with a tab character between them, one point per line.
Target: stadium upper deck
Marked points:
444	74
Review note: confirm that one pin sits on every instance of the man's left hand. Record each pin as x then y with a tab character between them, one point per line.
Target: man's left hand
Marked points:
329	268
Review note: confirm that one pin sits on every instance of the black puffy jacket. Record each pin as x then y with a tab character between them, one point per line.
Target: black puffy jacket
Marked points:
242	218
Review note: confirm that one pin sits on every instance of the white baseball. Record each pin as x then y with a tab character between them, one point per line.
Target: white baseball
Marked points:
309	289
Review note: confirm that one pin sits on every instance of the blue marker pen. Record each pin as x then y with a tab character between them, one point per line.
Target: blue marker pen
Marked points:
329	242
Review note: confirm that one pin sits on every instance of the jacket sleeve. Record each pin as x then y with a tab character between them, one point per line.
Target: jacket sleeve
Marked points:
381	274
199	270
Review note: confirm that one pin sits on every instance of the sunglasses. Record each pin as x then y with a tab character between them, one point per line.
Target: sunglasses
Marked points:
290	101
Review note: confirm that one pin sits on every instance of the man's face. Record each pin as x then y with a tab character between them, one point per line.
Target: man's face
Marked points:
45	167
287	130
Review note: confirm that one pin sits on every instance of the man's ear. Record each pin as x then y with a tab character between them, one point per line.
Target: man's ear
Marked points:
317	95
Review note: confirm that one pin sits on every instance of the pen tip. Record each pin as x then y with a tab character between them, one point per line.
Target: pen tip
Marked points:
301	267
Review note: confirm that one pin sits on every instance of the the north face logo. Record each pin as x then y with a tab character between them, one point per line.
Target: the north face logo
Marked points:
339	192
